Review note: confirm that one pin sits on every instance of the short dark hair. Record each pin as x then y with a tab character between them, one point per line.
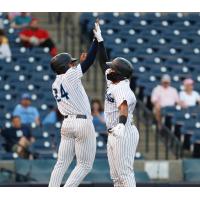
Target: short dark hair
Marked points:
2	33
15	116
98	102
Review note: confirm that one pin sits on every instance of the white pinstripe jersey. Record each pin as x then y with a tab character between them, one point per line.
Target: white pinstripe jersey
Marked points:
115	95
70	94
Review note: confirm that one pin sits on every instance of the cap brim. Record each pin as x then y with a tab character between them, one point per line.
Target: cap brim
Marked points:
74	59
109	64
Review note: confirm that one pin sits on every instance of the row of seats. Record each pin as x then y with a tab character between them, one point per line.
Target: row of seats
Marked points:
47	140
185	123
28	70
39	171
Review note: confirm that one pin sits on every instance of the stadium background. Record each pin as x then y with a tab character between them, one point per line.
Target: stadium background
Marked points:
144	38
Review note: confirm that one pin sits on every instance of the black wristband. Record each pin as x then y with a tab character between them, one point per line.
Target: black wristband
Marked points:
122	119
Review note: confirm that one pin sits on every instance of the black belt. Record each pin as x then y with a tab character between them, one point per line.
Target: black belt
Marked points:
77	116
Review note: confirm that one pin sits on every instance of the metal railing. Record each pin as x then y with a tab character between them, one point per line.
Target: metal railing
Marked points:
145	121
56	18
65	29
70	34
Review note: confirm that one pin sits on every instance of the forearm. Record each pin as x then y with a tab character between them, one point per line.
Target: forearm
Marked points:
156	105
24	38
103	58
119	129
37	121
85	65
123	112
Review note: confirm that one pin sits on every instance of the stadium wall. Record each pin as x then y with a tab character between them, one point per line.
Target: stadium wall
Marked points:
158	171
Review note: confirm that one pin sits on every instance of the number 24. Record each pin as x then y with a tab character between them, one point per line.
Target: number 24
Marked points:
63	93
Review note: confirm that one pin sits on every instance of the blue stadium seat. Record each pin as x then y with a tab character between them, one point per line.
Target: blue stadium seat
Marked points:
8	156
195	143
101	143
42	144
195	138
47	155
37	133
180	117
190	126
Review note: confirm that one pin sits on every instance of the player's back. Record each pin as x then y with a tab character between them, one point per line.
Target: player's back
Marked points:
69	93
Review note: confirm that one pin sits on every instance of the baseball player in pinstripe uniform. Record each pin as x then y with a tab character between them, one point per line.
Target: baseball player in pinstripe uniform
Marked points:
77	131
120	103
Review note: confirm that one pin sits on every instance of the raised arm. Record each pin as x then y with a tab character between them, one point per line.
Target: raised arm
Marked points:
85	65
103	58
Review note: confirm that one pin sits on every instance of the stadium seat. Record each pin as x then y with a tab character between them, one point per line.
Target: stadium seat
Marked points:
101	143
51	130
8	156
195	143
37	133
180	117
47	155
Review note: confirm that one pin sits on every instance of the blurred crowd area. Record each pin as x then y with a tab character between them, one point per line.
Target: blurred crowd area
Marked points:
29	119
29	31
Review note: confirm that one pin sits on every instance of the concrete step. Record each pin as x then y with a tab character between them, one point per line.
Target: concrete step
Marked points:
151	153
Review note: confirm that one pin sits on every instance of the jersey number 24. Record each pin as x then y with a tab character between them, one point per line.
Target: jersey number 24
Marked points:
63	93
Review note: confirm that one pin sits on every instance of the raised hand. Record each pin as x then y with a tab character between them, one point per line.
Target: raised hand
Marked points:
97	31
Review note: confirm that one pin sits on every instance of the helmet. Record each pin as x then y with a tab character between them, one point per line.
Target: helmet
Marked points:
121	66
60	62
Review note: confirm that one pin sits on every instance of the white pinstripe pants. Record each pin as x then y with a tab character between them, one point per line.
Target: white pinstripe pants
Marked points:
77	138
121	152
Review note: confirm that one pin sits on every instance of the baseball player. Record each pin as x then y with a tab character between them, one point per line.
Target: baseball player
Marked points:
77	131
120	103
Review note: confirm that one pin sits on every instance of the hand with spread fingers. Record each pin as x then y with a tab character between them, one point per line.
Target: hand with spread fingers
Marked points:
83	56
97	32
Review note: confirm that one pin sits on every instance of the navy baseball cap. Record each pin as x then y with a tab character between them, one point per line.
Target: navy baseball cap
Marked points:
26	96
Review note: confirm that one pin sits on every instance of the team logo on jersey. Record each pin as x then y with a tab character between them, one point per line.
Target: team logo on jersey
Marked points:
110	98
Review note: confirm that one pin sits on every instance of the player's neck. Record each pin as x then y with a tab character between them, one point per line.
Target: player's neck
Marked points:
115	82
